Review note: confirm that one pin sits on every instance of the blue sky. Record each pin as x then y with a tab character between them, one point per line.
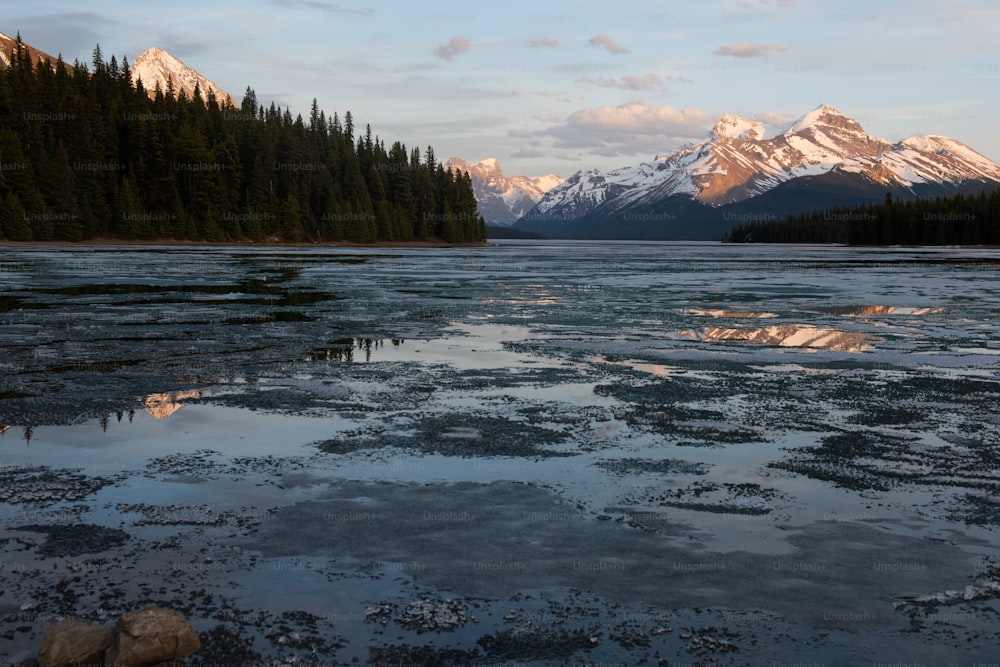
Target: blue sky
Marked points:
550	86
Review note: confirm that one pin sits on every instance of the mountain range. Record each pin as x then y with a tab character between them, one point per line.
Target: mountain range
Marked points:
502	199
747	171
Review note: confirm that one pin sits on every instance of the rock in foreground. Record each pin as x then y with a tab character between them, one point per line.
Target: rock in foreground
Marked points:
143	638
150	636
69	643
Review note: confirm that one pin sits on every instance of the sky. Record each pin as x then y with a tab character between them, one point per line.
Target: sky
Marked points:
556	87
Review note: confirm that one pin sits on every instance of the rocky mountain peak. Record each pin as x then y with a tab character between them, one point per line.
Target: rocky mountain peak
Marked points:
156	66
503	199
825	116
732	126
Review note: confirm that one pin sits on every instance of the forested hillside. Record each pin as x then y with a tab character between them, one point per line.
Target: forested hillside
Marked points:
85	154
962	219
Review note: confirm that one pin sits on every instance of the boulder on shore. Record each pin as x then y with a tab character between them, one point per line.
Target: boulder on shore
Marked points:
151	636
69	643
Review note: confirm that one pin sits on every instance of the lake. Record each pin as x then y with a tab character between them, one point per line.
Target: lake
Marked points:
530	453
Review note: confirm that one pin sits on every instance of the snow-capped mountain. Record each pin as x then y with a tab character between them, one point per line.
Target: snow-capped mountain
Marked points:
156	66
503	200
743	159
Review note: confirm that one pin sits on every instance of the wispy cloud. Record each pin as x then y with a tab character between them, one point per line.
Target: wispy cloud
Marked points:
456	45
529	152
648	82
750	4
748	50
543	43
604	41
771	118
331	7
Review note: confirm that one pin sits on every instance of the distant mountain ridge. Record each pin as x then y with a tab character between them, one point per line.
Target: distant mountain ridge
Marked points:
154	66
502	199
745	166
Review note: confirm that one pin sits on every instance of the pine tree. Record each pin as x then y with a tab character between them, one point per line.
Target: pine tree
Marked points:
291	219
13	220
348	128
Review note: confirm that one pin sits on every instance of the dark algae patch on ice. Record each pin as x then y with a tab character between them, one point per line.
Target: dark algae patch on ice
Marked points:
75	540
458	435
666	467
44	485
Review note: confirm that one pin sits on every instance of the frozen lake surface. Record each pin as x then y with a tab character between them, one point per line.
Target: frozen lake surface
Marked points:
530	453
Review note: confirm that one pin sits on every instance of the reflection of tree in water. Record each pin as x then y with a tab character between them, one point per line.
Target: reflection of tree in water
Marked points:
106	418
344	349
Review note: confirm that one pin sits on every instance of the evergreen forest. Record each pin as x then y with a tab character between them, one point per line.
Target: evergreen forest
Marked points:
86	154
960	219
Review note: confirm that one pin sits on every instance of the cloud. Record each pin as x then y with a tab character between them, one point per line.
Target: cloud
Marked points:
634	128
747	50
528	152
447	52
606	42
647	82
72	34
543	43
748	4
771	118
331	7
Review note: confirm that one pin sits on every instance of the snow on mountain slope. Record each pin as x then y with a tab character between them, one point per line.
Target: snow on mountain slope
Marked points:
503	199
737	127
743	158
156	66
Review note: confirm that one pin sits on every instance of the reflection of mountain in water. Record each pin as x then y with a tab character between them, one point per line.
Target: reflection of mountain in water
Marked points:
344	349
865	311
787	335
722	312
162	406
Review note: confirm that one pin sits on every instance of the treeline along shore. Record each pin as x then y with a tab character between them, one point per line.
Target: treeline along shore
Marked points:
87	154
962	219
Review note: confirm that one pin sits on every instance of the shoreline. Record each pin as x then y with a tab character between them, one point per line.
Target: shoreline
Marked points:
432	243
427	243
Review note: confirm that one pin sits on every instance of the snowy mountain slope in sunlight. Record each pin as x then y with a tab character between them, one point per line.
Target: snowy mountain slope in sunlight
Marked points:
503	199
156	67
743	158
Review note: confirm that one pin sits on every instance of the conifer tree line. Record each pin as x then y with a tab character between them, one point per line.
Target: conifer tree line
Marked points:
85	154
961	219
